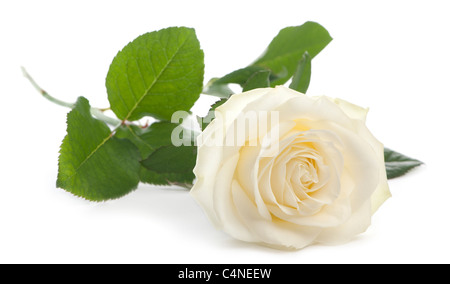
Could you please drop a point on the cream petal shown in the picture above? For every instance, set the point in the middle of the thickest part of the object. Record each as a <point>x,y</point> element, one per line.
<point>274,233</point>
<point>357,223</point>
<point>352,110</point>
<point>224,203</point>
<point>382,192</point>
<point>277,181</point>
<point>254,101</point>
<point>247,169</point>
<point>236,104</point>
<point>362,164</point>
<point>318,110</point>
<point>321,183</point>
<point>207,165</point>
<point>247,176</point>
<point>329,214</point>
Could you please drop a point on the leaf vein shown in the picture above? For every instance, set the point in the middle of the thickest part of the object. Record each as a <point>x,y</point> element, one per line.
<point>156,79</point>
<point>89,156</point>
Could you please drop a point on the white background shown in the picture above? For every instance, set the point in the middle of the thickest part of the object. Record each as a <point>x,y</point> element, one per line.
<point>390,56</point>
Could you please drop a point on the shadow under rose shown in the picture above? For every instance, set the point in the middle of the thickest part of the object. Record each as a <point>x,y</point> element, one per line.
<point>175,209</point>
<point>171,207</point>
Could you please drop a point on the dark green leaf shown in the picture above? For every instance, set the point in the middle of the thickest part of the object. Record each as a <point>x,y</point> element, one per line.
<point>288,47</point>
<point>93,163</point>
<point>204,121</point>
<point>148,140</point>
<point>134,134</point>
<point>219,87</point>
<point>302,75</point>
<point>155,178</point>
<point>240,76</point>
<point>156,74</point>
<point>173,160</point>
<point>259,79</point>
<point>248,78</point>
<point>398,164</point>
<point>218,104</point>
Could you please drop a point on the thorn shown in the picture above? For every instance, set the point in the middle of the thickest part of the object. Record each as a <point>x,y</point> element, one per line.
<point>147,123</point>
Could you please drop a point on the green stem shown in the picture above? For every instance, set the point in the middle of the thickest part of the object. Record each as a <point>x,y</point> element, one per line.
<point>44,93</point>
<point>96,112</point>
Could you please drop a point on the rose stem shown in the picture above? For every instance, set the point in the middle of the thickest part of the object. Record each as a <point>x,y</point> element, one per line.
<point>98,113</point>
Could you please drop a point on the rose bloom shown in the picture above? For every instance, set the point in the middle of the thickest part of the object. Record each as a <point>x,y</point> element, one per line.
<point>313,173</point>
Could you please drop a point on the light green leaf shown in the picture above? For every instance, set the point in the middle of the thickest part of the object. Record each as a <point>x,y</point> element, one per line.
<point>260,79</point>
<point>288,47</point>
<point>94,164</point>
<point>302,75</point>
<point>218,90</point>
<point>398,164</point>
<point>156,74</point>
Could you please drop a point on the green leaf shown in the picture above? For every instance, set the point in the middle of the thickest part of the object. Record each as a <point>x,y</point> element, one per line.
<point>217,104</point>
<point>152,139</point>
<point>240,76</point>
<point>283,54</point>
<point>148,139</point>
<point>134,134</point>
<point>218,90</point>
<point>398,164</point>
<point>302,75</point>
<point>93,163</point>
<point>204,121</point>
<point>219,86</point>
<point>260,79</point>
<point>288,47</point>
<point>155,178</point>
<point>156,74</point>
<point>173,160</point>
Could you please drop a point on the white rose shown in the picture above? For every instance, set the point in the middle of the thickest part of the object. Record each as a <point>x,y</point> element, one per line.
<point>320,184</point>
